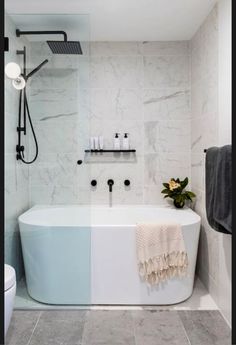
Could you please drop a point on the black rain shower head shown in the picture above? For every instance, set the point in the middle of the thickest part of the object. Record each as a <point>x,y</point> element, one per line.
<point>65,47</point>
<point>57,47</point>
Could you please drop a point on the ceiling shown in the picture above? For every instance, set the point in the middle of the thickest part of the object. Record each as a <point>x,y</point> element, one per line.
<point>126,20</point>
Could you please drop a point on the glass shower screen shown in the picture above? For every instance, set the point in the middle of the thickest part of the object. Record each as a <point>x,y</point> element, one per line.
<point>58,99</point>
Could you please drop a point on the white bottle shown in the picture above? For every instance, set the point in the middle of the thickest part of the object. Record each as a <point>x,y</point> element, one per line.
<point>125,144</point>
<point>117,142</point>
<point>96,143</point>
<point>91,143</point>
<point>100,141</point>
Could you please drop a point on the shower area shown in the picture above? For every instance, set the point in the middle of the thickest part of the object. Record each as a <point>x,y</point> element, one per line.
<point>46,121</point>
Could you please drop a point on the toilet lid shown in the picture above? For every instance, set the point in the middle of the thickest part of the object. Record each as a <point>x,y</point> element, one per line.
<point>9,277</point>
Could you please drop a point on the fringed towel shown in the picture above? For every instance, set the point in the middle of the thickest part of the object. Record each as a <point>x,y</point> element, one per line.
<point>161,252</point>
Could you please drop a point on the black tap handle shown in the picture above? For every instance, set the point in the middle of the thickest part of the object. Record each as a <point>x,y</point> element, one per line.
<point>110,184</point>
<point>93,183</point>
<point>127,182</point>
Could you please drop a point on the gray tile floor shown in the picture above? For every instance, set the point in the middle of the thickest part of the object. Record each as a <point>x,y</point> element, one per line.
<point>99,327</point>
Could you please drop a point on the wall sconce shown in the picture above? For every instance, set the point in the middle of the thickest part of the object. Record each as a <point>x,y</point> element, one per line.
<point>13,71</point>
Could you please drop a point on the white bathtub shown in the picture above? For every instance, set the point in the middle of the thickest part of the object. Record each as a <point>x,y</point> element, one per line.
<point>87,255</point>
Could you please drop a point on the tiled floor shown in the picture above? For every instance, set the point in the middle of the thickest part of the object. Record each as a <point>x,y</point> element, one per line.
<point>113,327</point>
<point>200,300</point>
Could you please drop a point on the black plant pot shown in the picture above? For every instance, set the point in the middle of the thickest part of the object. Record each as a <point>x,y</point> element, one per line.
<point>179,204</point>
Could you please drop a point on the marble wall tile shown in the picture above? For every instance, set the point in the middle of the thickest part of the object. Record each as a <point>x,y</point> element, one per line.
<point>61,172</point>
<point>161,167</point>
<point>166,136</point>
<point>166,104</point>
<point>115,100</point>
<point>204,134</point>
<point>47,104</point>
<point>116,104</point>
<point>51,195</point>
<point>165,48</point>
<point>117,71</point>
<point>204,97</point>
<point>56,137</point>
<point>152,195</point>
<point>197,170</point>
<point>49,78</point>
<point>166,71</point>
<point>115,48</point>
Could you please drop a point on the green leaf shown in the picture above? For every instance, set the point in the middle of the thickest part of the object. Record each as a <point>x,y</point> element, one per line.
<point>191,194</point>
<point>166,185</point>
<point>188,197</point>
<point>184,182</point>
<point>166,196</point>
<point>165,191</point>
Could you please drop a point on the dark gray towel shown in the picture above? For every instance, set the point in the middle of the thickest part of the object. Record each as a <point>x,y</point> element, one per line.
<point>219,188</point>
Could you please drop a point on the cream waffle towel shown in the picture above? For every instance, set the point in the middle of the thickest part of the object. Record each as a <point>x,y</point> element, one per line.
<point>161,251</point>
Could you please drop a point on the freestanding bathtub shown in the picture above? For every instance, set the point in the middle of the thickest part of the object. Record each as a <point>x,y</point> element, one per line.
<point>87,254</point>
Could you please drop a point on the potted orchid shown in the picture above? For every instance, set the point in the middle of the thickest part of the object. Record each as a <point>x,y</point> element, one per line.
<point>175,189</point>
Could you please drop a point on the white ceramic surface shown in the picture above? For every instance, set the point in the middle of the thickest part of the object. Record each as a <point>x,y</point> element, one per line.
<point>112,262</point>
<point>9,294</point>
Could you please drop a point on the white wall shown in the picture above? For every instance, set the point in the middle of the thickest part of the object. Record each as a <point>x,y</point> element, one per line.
<point>211,122</point>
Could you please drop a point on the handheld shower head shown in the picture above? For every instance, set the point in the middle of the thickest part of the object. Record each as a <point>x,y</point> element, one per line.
<point>36,69</point>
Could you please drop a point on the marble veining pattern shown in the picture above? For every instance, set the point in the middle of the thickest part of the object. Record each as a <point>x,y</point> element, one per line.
<point>137,87</point>
<point>204,134</point>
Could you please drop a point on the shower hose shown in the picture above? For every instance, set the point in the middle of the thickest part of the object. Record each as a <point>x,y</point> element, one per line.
<point>32,128</point>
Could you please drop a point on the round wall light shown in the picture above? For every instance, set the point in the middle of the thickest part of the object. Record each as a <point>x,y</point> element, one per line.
<point>12,70</point>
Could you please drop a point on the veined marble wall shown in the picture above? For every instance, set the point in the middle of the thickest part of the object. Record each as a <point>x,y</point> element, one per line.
<point>61,126</point>
<point>16,173</point>
<point>214,248</point>
<point>137,87</point>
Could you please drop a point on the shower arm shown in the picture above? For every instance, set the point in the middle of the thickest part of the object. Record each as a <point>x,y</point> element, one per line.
<point>19,33</point>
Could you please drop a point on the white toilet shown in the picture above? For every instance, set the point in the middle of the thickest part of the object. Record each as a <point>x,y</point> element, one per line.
<point>9,293</point>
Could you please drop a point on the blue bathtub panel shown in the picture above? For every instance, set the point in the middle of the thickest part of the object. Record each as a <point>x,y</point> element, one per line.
<point>57,263</point>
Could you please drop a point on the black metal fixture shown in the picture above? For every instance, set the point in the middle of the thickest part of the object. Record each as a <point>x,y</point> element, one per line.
<point>93,183</point>
<point>57,47</point>
<point>110,183</point>
<point>23,104</point>
<point>205,150</point>
<point>79,162</point>
<point>126,182</point>
<point>101,151</point>
<point>6,44</point>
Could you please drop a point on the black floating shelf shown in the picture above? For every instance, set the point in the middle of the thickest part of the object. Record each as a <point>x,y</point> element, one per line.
<point>101,151</point>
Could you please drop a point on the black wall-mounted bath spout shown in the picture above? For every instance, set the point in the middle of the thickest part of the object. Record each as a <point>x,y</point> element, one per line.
<point>110,184</point>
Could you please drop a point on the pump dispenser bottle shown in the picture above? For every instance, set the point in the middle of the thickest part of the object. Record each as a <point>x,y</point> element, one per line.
<point>125,144</point>
<point>117,142</point>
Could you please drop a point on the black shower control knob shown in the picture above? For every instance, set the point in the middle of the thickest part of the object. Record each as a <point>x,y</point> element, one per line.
<point>127,182</point>
<point>93,183</point>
